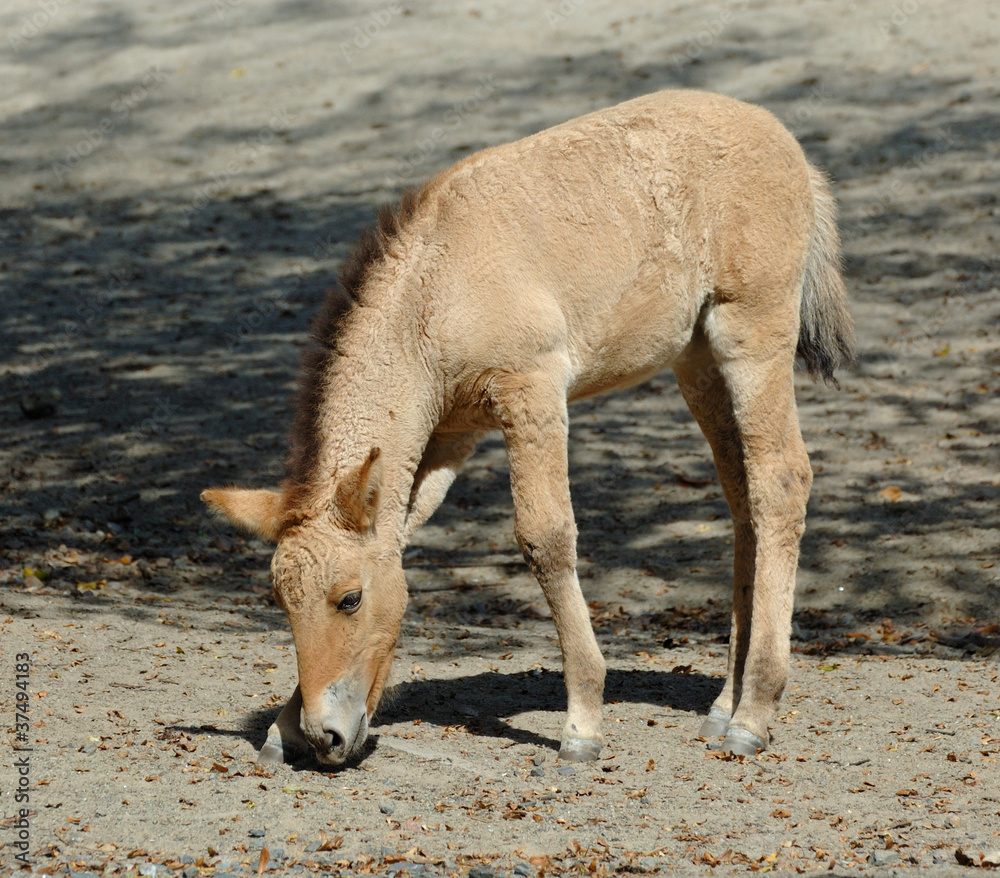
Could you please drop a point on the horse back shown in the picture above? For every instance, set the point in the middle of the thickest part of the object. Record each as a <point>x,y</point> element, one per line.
<point>602,240</point>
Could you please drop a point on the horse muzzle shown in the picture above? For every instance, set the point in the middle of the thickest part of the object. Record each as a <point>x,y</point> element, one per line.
<point>338,731</point>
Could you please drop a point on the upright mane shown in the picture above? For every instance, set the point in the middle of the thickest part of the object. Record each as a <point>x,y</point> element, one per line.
<point>373,245</point>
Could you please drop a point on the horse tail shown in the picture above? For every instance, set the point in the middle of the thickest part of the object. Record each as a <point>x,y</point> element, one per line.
<point>826,328</point>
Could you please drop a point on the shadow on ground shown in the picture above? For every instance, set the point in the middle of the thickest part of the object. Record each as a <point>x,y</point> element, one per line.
<point>172,327</point>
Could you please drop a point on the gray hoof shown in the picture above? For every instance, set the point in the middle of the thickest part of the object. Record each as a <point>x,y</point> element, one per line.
<point>715,724</point>
<point>742,743</point>
<point>579,750</point>
<point>274,751</point>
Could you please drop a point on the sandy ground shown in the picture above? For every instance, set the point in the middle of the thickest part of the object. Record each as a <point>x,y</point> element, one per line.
<point>178,183</point>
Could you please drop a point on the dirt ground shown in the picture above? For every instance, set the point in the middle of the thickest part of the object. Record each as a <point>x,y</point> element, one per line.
<point>179,183</point>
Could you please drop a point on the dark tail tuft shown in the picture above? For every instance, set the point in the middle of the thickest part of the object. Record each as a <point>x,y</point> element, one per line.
<point>826,333</point>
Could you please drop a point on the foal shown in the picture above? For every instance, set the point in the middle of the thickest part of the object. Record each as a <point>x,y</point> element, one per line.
<point>682,230</point>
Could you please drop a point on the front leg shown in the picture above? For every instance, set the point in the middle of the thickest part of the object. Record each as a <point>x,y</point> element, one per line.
<point>285,740</point>
<point>532,413</point>
<point>443,458</point>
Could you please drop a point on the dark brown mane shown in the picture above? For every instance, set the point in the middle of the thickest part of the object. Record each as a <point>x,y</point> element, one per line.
<point>373,245</point>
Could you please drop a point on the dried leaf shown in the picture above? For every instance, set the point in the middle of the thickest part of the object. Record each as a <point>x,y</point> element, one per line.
<point>329,844</point>
<point>892,493</point>
<point>964,859</point>
<point>265,855</point>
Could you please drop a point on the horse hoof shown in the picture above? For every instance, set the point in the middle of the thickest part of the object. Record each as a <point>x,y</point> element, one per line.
<point>275,751</point>
<point>715,724</point>
<point>740,742</point>
<point>579,750</point>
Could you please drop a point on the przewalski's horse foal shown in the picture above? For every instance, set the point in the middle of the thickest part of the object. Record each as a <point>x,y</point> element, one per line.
<point>680,229</point>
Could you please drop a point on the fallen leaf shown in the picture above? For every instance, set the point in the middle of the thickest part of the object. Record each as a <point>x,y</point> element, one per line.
<point>265,855</point>
<point>329,844</point>
<point>892,493</point>
<point>964,859</point>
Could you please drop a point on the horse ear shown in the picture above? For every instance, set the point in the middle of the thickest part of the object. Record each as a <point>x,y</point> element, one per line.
<point>356,497</point>
<point>256,511</point>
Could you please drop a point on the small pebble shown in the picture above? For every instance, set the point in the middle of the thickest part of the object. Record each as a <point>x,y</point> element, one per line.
<point>190,872</point>
<point>257,833</point>
<point>40,404</point>
<point>522,870</point>
<point>186,859</point>
<point>385,808</point>
<point>151,869</point>
<point>88,748</point>
<point>649,863</point>
<point>565,769</point>
<point>536,772</point>
<point>882,857</point>
<point>481,872</point>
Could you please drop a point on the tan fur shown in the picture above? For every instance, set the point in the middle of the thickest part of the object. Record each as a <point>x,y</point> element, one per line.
<point>681,230</point>
<point>256,511</point>
<point>356,497</point>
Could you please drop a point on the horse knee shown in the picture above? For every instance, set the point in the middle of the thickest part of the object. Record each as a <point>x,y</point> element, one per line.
<point>548,548</point>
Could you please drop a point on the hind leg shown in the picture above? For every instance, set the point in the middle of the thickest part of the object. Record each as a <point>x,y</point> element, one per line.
<point>704,389</point>
<point>763,464</point>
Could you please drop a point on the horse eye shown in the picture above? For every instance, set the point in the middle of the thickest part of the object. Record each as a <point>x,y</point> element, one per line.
<point>350,602</point>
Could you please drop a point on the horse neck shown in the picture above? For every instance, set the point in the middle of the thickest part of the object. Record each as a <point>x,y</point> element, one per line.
<point>376,394</point>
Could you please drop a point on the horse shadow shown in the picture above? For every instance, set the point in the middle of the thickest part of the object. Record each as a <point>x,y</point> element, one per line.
<point>484,704</point>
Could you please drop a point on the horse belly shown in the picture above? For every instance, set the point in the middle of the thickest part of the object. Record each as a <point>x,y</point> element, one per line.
<point>643,335</point>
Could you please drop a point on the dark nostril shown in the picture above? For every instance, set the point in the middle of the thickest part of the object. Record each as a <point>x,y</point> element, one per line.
<point>334,740</point>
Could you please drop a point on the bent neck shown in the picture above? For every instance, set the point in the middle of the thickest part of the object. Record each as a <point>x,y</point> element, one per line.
<point>373,392</point>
